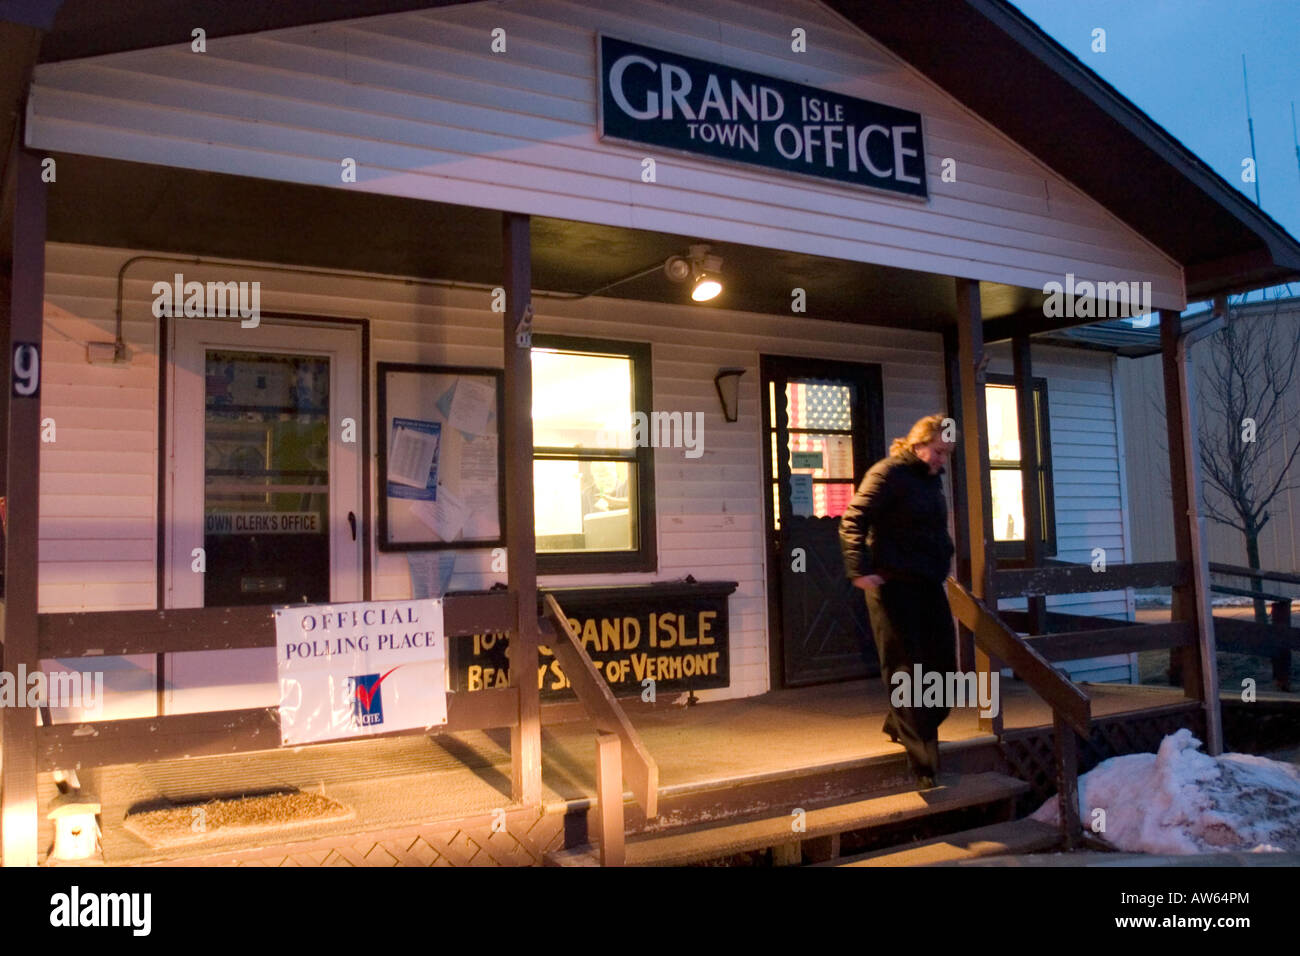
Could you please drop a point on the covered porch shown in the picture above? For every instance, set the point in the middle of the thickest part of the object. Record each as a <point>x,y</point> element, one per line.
<point>539,261</point>
<point>958,277</point>
<point>435,798</point>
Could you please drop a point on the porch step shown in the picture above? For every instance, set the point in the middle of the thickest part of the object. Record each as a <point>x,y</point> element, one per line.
<point>695,844</point>
<point>998,839</point>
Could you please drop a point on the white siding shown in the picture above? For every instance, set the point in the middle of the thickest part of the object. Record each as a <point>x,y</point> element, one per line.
<point>99,479</point>
<point>98,520</point>
<point>427,111</point>
<point>1086,475</point>
<point>99,476</point>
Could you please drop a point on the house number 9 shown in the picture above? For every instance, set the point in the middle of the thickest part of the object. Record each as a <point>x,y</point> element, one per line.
<point>27,370</point>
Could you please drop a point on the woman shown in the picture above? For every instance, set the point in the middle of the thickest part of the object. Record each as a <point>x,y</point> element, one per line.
<point>894,535</point>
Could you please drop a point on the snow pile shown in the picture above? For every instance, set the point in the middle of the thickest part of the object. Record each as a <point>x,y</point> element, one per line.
<point>1182,801</point>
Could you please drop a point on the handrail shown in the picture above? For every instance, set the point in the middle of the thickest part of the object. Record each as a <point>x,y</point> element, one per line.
<point>1082,578</point>
<point>1245,592</point>
<point>1235,570</point>
<point>1071,708</point>
<point>173,630</point>
<point>1001,642</point>
<point>594,693</point>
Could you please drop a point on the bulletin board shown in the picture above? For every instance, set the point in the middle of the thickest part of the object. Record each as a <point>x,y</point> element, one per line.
<point>441,459</point>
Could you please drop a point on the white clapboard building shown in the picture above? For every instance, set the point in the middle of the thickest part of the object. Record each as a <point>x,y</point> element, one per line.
<point>283,258</point>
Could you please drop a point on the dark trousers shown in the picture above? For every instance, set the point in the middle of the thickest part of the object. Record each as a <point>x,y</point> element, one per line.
<point>912,624</point>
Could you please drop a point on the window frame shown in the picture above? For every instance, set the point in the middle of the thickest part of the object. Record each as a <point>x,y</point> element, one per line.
<point>1015,550</point>
<point>645,556</point>
<point>183,345</point>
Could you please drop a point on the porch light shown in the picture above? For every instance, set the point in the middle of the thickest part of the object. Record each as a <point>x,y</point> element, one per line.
<point>698,265</point>
<point>76,832</point>
<point>706,288</point>
<point>727,382</point>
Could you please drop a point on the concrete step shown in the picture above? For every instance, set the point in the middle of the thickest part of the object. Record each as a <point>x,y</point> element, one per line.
<point>998,839</point>
<point>693,844</point>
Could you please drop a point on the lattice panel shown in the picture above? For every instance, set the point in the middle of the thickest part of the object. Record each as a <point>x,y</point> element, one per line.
<point>1032,755</point>
<point>1033,760</point>
<point>526,838</point>
<point>1261,725</point>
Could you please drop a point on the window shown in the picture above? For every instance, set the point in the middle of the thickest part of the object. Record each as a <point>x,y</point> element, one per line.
<point>593,482</point>
<point>820,447</point>
<point>1004,467</point>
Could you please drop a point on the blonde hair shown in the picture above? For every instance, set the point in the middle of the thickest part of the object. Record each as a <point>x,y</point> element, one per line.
<point>925,430</point>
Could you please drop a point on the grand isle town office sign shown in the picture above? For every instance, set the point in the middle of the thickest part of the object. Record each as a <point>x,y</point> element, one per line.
<point>681,103</point>
<point>675,635</point>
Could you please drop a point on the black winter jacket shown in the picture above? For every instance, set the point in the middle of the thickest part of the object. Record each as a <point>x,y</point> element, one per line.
<point>897,523</point>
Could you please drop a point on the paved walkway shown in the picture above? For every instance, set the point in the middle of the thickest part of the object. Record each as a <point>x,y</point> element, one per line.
<point>1091,859</point>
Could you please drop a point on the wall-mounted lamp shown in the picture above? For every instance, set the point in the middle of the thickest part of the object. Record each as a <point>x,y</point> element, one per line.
<point>702,268</point>
<point>727,382</point>
<point>76,831</point>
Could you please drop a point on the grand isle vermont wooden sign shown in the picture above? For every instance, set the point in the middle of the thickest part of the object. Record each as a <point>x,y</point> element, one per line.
<point>676,102</point>
<point>676,635</point>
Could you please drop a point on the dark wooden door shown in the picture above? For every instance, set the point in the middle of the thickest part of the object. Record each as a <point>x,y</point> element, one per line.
<point>823,428</point>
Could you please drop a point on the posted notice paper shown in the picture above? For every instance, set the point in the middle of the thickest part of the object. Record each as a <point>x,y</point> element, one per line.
<point>446,515</point>
<point>413,459</point>
<point>472,405</point>
<point>801,495</point>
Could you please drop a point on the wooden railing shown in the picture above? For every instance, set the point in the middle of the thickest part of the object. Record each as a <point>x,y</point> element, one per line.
<point>85,744</point>
<point>1275,640</point>
<point>619,750</point>
<point>1060,578</point>
<point>1074,636</point>
<point>1071,708</point>
<point>1070,637</point>
<point>142,739</point>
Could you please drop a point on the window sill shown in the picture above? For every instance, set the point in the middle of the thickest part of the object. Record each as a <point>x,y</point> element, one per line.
<point>599,562</point>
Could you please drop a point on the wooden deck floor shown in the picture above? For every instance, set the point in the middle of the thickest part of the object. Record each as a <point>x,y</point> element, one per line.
<point>397,782</point>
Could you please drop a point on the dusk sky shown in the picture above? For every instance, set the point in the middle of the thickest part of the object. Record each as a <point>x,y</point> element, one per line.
<point>1180,62</point>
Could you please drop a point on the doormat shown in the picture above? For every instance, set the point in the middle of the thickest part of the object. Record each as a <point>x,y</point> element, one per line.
<point>223,819</point>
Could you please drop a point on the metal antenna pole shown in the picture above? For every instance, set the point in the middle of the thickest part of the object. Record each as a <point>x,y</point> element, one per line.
<point>1250,125</point>
<point>1294,138</point>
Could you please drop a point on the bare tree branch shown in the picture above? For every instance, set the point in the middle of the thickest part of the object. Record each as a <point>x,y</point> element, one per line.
<point>1246,411</point>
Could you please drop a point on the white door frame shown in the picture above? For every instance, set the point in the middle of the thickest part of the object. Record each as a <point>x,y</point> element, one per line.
<point>184,499</point>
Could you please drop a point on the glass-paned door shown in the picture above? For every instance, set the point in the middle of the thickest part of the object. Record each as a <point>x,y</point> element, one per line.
<point>823,430</point>
<point>264,487</point>
<point>265,465</point>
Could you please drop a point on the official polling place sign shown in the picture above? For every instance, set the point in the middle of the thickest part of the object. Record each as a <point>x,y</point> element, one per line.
<point>652,97</point>
<point>352,670</point>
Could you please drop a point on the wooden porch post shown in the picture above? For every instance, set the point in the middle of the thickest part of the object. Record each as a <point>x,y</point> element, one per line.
<point>1191,603</point>
<point>975,459</point>
<point>960,531</point>
<point>22,489</point>
<point>521,545</point>
<point>1025,419</point>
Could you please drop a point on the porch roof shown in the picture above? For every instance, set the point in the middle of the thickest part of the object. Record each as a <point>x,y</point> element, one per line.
<point>1129,340</point>
<point>188,212</point>
<point>1026,83</point>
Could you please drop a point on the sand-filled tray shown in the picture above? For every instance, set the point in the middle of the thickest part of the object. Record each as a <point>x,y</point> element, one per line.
<point>225,818</point>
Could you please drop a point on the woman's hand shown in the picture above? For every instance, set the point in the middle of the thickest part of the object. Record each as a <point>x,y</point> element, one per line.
<point>868,582</point>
